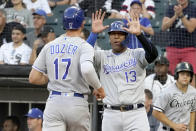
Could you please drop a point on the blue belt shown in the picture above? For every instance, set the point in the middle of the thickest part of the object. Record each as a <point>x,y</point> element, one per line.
<point>67,94</point>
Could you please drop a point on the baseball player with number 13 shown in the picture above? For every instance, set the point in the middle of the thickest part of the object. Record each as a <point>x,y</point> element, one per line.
<point>122,72</point>
<point>68,62</point>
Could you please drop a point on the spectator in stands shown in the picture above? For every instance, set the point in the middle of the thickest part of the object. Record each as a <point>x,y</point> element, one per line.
<point>39,20</point>
<point>16,52</point>
<point>6,4</point>
<point>160,79</point>
<point>112,8</point>
<point>34,119</point>
<point>19,14</point>
<point>90,6</point>
<point>54,3</point>
<point>34,5</point>
<point>109,6</point>
<point>180,19</point>
<point>47,34</point>
<point>148,9</point>
<point>146,27</point>
<point>11,123</point>
<point>5,32</point>
<point>154,124</point>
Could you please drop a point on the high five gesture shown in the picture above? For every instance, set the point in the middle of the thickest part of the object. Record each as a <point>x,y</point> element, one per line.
<point>133,25</point>
<point>97,22</point>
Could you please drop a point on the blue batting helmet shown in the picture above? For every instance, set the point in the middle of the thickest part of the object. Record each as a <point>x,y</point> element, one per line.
<point>73,18</point>
<point>117,26</point>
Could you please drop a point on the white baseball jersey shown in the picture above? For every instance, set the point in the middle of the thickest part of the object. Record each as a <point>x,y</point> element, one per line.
<point>61,59</point>
<point>155,86</point>
<point>149,4</point>
<point>122,75</point>
<point>175,104</point>
<point>15,56</point>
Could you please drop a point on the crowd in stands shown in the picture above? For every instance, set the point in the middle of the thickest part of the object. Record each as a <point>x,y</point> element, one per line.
<point>34,14</point>
<point>19,47</point>
<point>19,13</point>
<point>30,14</point>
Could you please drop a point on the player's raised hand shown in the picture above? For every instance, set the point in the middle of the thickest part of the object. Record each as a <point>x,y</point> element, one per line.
<point>99,93</point>
<point>133,25</point>
<point>97,22</point>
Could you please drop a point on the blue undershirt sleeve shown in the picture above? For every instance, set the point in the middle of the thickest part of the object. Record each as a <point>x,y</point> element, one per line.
<point>92,38</point>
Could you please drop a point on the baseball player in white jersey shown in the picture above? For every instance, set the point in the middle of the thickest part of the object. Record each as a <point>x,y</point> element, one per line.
<point>68,63</point>
<point>122,72</point>
<point>160,79</point>
<point>176,105</point>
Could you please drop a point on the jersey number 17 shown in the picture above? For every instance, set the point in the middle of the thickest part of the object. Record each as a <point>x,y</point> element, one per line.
<point>63,61</point>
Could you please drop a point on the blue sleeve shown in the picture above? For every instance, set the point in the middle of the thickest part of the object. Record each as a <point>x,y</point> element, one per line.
<point>125,21</point>
<point>146,22</point>
<point>92,39</point>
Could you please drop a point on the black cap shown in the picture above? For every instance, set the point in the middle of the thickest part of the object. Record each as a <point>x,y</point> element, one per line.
<point>162,60</point>
<point>20,27</point>
<point>45,30</point>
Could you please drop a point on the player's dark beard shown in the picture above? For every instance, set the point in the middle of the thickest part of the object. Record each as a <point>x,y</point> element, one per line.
<point>161,78</point>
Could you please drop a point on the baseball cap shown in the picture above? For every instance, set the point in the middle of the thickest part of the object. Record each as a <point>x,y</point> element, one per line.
<point>18,26</point>
<point>136,2</point>
<point>162,60</point>
<point>45,30</point>
<point>35,113</point>
<point>40,12</point>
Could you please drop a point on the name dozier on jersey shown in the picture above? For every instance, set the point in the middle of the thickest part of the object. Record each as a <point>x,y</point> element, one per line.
<point>63,48</point>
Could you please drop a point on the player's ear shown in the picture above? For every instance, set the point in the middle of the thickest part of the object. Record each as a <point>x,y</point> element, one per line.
<point>24,37</point>
<point>84,21</point>
<point>83,24</point>
<point>40,121</point>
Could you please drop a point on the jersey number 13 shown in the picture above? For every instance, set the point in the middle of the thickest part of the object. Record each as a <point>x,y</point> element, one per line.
<point>130,76</point>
